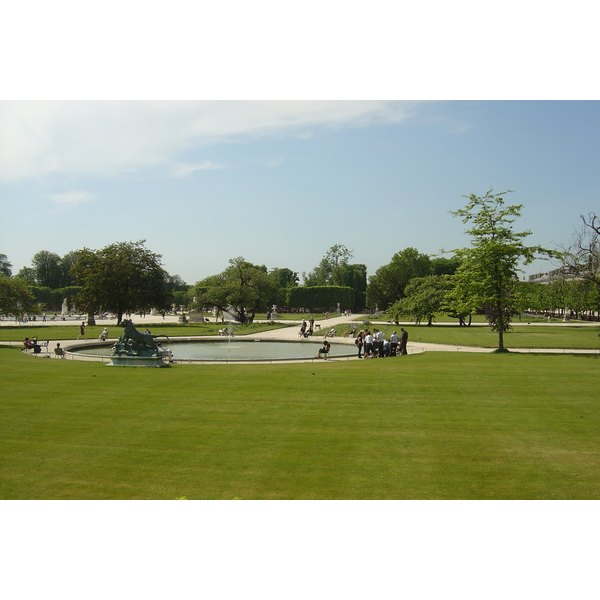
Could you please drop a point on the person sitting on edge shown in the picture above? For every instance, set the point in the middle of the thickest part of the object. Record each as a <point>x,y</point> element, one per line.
<point>324,350</point>
<point>59,351</point>
<point>33,345</point>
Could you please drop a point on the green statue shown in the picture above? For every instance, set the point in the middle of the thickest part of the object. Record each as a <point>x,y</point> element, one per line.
<point>134,342</point>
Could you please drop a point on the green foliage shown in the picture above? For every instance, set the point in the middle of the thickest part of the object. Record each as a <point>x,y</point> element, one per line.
<point>48,269</point>
<point>487,275</point>
<point>121,277</point>
<point>425,296</point>
<point>558,297</point>
<point>16,298</point>
<point>49,299</point>
<point>5,266</point>
<point>389,282</point>
<point>67,262</point>
<point>330,270</point>
<point>27,274</point>
<point>440,265</point>
<point>324,298</point>
<point>242,287</point>
<point>284,278</point>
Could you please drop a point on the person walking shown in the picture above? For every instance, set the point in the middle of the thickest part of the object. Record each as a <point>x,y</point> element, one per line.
<point>81,331</point>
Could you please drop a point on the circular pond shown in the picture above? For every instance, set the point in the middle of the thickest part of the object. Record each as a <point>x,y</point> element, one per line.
<point>235,349</point>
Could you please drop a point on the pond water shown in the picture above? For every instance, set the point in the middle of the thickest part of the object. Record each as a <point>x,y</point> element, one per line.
<point>234,349</point>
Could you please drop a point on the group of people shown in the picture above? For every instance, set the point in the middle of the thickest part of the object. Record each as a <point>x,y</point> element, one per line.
<point>306,329</point>
<point>374,345</point>
<point>32,345</point>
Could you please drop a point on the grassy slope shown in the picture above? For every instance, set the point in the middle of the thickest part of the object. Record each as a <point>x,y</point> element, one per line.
<point>427,426</point>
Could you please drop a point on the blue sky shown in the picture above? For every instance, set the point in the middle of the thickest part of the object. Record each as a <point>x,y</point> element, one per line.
<point>280,182</point>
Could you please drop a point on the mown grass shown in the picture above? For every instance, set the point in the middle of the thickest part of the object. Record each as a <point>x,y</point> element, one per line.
<point>431,426</point>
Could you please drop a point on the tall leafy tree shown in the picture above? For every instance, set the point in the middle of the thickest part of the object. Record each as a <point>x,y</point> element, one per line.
<point>242,287</point>
<point>284,277</point>
<point>330,270</point>
<point>48,269</point>
<point>5,266</point>
<point>26,273</point>
<point>121,277</point>
<point>425,296</point>
<point>67,262</point>
<point>16,297</point>
<point>389,281</point>
<point>487,275</point>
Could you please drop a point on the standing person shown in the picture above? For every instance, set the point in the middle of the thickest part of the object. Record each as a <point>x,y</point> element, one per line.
<point>379,343</point>
<point>81,331</point>
<point>302,328</point>
<point>394,339</point>
<point>403,341</point>
<point>359,341</point>
<point>368,345</point>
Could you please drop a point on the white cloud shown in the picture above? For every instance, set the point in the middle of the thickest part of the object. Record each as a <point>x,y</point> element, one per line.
<point>181,170</point>
<point>70,199</point>
<point>43,137</point>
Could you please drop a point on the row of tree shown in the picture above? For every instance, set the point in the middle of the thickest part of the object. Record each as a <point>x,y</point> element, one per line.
<point>427,297</point>
<point>486,278</point>
<point>121,277</point>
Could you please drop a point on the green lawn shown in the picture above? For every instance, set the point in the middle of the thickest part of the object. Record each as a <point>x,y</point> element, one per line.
<point>430,426</point>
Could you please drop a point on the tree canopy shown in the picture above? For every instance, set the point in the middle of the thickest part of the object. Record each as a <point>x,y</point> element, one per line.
<point>16,298</point>
<point>242,288</point>
<point>5,266</point>
<point>48,269</point>
<point>330,270</point>
<point>121,277</point>
<point>389,281</point>
<point>425,296</point>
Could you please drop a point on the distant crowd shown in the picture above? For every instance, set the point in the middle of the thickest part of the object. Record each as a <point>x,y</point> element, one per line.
<point>374,345</point>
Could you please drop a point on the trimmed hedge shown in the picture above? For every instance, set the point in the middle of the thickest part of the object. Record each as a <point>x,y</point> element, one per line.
<point>320,298</point>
